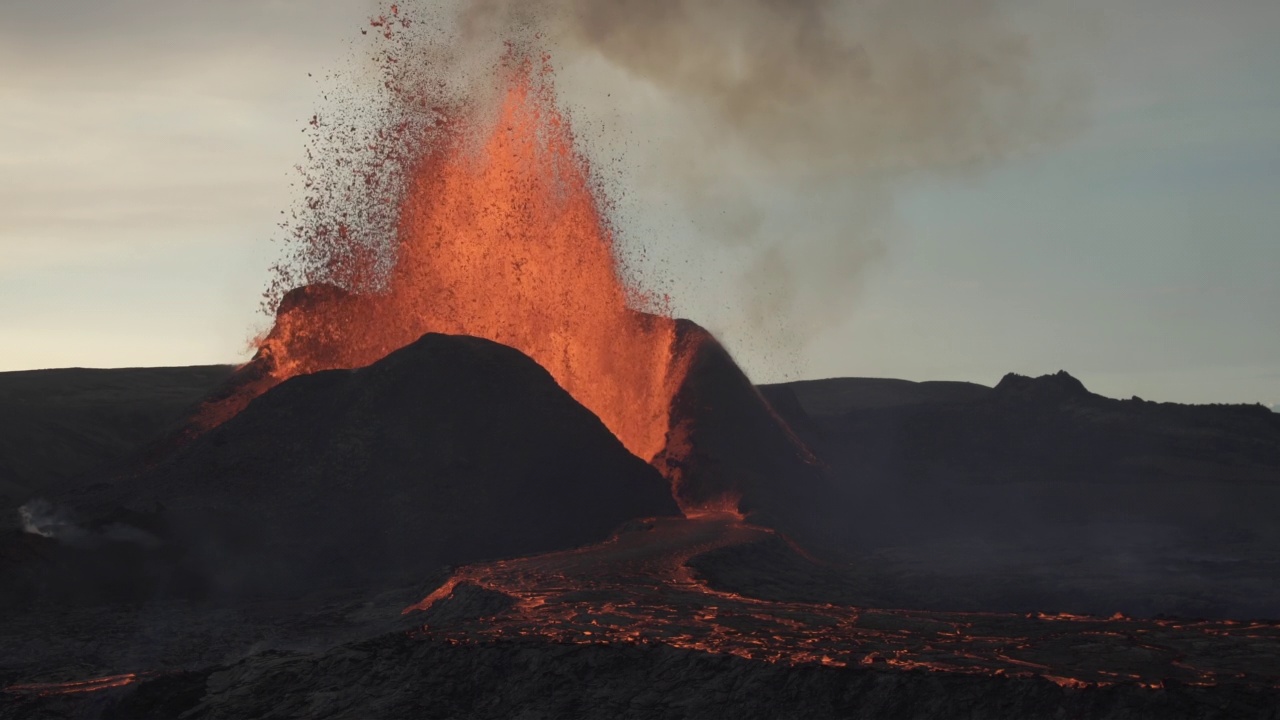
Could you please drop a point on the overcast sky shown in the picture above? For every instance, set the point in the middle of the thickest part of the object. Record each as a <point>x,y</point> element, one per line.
<point>146,151</point>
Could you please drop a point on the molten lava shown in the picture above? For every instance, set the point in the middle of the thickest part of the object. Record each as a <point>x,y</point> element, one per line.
<point>74,687</point>
<point>637,587</point>
<point>500,235</point>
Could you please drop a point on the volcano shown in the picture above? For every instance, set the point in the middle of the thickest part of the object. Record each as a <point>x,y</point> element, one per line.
<point>500,233</point>
<point>473,469</point>
<point>724,450</point>
<point>342,421</point>
<point>447,451</point>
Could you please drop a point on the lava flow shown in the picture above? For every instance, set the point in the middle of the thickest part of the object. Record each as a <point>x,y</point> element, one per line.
<point>638,588</point>
<point>500,235</point>
<point>75,687</point>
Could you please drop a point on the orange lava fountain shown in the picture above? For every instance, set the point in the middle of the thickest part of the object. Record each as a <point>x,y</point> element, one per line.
<point>500,235</point>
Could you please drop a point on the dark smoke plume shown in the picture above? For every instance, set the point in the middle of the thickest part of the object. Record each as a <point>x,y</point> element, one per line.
<point>782,127</point>
<point>816,87</point>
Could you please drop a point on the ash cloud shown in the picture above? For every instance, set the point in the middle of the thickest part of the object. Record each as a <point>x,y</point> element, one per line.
<point>817,87</point>
<point>826,106</point>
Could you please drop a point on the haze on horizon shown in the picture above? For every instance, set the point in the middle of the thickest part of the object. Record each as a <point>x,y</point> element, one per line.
<point>148,150</point>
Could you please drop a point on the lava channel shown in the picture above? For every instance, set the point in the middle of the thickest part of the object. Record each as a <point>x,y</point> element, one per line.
<point>637,587</point>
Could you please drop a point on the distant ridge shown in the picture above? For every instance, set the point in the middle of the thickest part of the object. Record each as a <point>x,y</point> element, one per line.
<point>1079,501</point>
<point>58,424</point>
<point>837,396</point>
<point>834,396</point>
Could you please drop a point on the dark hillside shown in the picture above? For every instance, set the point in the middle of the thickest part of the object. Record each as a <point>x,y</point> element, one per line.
<point>56,424</point>
<point>1038,493</point>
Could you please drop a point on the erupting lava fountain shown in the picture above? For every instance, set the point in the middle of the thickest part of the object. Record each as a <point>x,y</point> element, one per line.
<point>499,233</point>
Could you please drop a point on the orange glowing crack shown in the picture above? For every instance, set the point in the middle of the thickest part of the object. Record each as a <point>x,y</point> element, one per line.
<point>74,687</point>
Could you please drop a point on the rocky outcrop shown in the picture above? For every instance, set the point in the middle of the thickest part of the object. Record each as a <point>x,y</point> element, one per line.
<point>729,449</point>
<point>836,396</point>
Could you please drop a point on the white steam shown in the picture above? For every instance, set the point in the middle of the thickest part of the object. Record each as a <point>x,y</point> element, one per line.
<point>40,517</point>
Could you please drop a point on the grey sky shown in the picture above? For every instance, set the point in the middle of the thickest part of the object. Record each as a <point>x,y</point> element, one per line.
<point>146,152</point>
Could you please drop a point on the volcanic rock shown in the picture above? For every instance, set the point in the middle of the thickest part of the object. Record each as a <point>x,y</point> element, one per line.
<point>1059,386</point>
<point>467,601</point>
<point>729,449</point>
<point>399,676</point>
<point>450,450</point>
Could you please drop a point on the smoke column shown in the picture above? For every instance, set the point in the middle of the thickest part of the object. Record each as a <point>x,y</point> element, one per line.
<point>778,130</point>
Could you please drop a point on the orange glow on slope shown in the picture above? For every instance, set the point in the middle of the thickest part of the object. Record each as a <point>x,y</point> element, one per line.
<point>501,236</point>
<point>74,687</point>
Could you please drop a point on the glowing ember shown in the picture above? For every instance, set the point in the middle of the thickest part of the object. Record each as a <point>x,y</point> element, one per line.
<point>500,235</point>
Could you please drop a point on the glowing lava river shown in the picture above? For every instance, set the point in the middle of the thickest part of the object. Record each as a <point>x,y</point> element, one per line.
<point>637,588</point>
<point>77,687</point>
